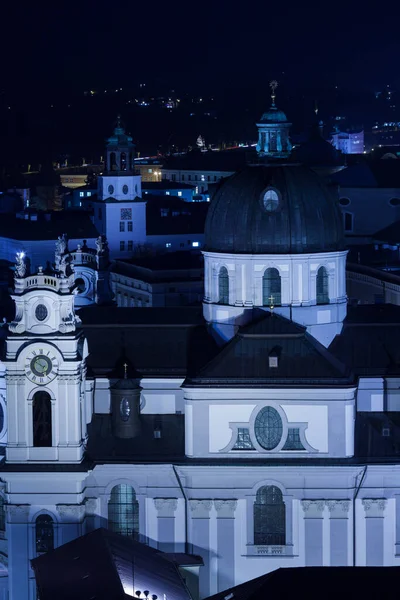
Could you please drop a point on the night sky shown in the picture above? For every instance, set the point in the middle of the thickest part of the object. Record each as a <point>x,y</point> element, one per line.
<point>72,46</point>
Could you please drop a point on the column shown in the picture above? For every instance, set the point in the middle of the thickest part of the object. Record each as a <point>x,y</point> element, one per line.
<point>18,550</point>
<point>374,514</point>
<point>225,543</point>
<point>71,516</point>
<point>339,542</point>
<point>200,540</point>
<point>397,547</point>
<point>237,293</point>
<point>166,508</point>
<point>313,517</point>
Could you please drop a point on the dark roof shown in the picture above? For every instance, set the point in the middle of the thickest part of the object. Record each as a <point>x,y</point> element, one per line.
<point>368,343</point>
<point>166,184</point>
<point>307,219</point>
<point>310,583</point>
<point>103,446</point>
<point>162,268</point>
<point>99,565</point>
<point>245,360</point>
<point>228,161</point>
<point>374,173</point>
<point>389,234</point>
<point>377,434</point>
<point>158,342</point>
<point>316,151</point>
<point>76,224</point>
<point>183,217</point>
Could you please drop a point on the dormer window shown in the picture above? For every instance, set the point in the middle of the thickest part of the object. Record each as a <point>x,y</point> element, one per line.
<point>273,362</point>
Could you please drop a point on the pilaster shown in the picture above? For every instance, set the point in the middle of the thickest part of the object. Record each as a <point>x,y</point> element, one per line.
<point>166,508</point>
<point>374,514</point>
<point>313,516</point>
<point>339,541</point>
<point>200,539</point>
<point>225,510</point>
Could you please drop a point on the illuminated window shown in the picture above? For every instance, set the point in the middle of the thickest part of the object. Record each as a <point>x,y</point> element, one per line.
<point>271,283</point>
<point>168,245</point>
<point>123,511</point>
<point>269,517</point>
<point>203,178</point>
<point>167,193</point>
<point>88,193</point>
<point>223,286</point>
<point>271,200</point>
<point>149,170</point>
<point>179,193</point>
<point>322,286</point>
<point>81,194</point>
<point>44,526</point>
<point>268,428</point>
<point>195,244</point>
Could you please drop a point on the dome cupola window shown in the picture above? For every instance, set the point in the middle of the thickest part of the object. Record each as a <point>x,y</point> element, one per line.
<point>322,286</point>
<point>271,283</point>
<point>271,200</point>
<point>223,286</point>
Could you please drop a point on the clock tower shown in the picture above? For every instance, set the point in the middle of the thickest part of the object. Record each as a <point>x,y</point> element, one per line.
<point>45,370</point>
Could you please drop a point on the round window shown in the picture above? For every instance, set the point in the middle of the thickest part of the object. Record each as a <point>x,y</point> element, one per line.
<point>344,201</point>
<point>125,189</point>
<point>394,202</point>
<point>41,312</point>
<point>270,201</point>
<point>124,409</point>
<point>110,189</point>
<point>268,428</point>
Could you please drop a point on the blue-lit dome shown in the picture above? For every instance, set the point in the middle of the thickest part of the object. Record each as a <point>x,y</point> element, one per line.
<point>273,115</point>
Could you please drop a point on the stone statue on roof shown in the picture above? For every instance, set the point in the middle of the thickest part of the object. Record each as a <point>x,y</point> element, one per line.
<point>20,265</point>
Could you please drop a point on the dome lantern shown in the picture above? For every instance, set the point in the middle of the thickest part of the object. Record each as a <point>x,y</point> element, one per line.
<point>273,131</point>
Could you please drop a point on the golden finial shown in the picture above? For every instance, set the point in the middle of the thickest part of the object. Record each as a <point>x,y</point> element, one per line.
<point>273,85</point>
<point>125,370</point>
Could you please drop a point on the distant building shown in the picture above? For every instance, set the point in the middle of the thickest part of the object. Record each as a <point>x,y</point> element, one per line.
<point>174,279</point>
<point>149,169</point>
<point>349,142</point>
<point>170,188</point>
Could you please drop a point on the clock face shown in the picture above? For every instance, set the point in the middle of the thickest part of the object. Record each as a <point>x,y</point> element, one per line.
<point>41,366</point>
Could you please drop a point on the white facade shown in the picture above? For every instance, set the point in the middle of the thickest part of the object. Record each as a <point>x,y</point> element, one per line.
<point>298,281</point>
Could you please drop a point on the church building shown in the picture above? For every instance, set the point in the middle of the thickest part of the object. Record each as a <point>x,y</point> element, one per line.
<point>259,431</point>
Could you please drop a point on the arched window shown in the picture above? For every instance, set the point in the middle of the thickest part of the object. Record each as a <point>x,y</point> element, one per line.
<point>269,517</point>
<point>271,288</point>
<point>322,286</point>
<point>123,511</point>
<point>44,534</point>
<point>123,161</point>
<point>42,430</point>
<point>223,285</point>
<point>112,162</point>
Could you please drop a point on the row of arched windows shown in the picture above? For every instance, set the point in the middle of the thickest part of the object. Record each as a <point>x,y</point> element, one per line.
<point>123,517</point>
<point>272,287</point>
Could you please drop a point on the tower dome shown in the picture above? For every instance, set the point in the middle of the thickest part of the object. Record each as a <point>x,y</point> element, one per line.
<point>274,209</point>
<point>273,131</point>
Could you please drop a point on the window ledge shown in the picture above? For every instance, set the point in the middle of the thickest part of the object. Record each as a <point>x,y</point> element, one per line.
<point>273,550</point>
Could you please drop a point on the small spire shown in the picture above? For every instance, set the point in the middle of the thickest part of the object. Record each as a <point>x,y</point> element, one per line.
<point>125,370</point>
<point>273,85</point>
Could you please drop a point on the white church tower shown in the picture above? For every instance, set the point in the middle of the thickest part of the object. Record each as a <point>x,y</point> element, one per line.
<point>45,371</point>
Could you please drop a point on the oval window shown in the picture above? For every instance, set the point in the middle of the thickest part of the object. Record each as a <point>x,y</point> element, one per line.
<point>268,428</point>
<point>394,202</point>
<point>124,409</point>
<point>344,201</point>
<point>110,189</point>
<point>41,312</point>
<point>125,189</point>
<point>271,200</point>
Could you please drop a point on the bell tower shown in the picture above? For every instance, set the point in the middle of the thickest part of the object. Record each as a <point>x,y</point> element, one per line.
<point>273,131</point>
<point>119,180</point>
<point>45,370</point>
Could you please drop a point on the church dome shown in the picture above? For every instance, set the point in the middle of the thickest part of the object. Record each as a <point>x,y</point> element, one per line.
<point>274,209</point>
<point>273,115</point>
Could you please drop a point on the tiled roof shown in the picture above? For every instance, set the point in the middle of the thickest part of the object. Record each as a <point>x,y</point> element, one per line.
<point>245,360</point>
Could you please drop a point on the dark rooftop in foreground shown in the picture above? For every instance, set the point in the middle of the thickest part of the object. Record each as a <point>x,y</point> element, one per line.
<point>314,583</point>
<point>108,566</point>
